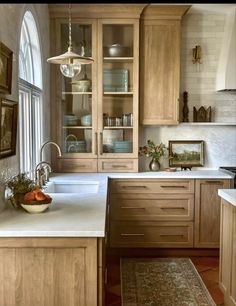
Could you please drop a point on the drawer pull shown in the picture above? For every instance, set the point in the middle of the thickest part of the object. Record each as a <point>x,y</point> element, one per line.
<point>137,186</point>
<point>175,235</point>
<point>166,186</point>
<point>132,207</point>
<point>173,208</point>
<point>132,235</point>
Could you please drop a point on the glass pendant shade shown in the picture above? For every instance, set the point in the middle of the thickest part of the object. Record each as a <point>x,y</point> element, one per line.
<point>70,62</point>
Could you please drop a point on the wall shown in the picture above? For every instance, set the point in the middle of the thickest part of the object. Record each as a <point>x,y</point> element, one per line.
<point>11,16</point>
<point>204,26</point>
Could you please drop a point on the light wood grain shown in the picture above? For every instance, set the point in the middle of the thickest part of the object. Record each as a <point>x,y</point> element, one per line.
<point>77,165</point>
<point>160,64</point>
<point>227,275</point>
<point>57,272</point>
<point>207,212</point>
<point>118,165</point>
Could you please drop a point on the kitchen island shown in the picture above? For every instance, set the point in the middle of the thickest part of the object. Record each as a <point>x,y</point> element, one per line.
<point>56,258</point>
<point>227,278</point>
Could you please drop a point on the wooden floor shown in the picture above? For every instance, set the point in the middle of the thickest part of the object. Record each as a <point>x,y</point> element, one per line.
<point>208,268</point>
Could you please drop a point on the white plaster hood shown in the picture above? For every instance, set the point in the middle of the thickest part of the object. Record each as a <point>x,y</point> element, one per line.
<point>226,73</point>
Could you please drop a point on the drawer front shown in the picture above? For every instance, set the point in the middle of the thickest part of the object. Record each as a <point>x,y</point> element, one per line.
<point>164,208</point>
<point>151,186</point>
<point>151,234</point>
<point>118,165</point>
<point>77,165</point>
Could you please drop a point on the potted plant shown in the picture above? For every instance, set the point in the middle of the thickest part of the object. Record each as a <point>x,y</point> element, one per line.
<point>155,152</point>
<point>19,185</point>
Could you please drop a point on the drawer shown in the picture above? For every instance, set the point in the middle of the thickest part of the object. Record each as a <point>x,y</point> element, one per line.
<point>151,234</point>
<point>77,165</point>
<point>151,186</point>
<point>162,208</point>
<point>118,165</point>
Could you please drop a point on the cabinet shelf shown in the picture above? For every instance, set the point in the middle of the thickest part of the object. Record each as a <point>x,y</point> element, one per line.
<point>77,93</point>
<point>76,127</point>
<point>208,123</point>
<point>118,93</point>
<point>118,59</point>
<point>117,127</point>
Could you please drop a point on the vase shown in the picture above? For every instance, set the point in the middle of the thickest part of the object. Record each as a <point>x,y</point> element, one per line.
<point>154,165</point>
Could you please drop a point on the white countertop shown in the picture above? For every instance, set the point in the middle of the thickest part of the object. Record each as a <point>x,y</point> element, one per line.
<point>228,195</point>
<point>81,215</point>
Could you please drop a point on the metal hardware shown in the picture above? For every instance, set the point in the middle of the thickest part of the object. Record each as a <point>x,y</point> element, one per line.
<point>135,186</point>
<point>101,145</point>
<point>42,171</point>
<point>96,143</point>
<point>172,208</point>
<point>132,234</point>
<point>181,235</point>
<point>173,186</point>
<point>119,166</point>
<point>132,207</point>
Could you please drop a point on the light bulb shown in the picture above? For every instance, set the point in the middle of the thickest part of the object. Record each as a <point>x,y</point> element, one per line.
<point>70,70</point>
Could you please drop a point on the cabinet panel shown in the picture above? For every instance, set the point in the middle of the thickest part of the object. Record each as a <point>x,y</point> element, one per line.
<point>118,165</point>
<point>207,212</point>
<point>77,165</point>
<point>162,208</point>
<point>151,186</point>
<point>151,234</point>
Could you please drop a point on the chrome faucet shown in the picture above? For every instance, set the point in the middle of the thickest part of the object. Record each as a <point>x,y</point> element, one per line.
<point>46,143</point>
<point>43,168</point>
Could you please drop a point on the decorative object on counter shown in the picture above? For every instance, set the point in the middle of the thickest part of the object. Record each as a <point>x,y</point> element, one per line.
<point>18,185</point>
<point>35,201</point>
<point>6,56</point>
<point>197,55</point>
<point>155,152</point>
<point>185,107</point>
<point>171,169</point>
<point>70,62</point>
<point>186,153</point>
<point>8,127</point>
<point>202,115</point>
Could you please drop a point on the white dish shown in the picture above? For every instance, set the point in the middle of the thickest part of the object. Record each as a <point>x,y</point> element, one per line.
<point>34,208</point>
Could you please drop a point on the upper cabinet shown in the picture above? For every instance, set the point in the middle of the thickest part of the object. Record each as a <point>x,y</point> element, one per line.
<point>95,114</point>
<point>160,64</point>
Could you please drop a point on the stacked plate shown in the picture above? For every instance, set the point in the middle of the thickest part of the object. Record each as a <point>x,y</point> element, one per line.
<point>125,146</point>
<point>78,146</point>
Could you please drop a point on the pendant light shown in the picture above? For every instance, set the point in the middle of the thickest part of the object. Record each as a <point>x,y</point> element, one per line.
<point>70,62</point>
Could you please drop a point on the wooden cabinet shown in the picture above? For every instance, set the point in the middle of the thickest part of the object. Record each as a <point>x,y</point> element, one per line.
<point>151,213</point>
<point>207,212</point>
<point>227,278</point>
<point>97,126</point>
<point>50,271</point>
<point>160,64</point>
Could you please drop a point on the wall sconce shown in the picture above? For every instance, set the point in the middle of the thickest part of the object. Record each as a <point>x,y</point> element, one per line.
<point>197,55</point>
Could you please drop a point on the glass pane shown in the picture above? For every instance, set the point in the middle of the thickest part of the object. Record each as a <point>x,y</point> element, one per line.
<point>117,141</point>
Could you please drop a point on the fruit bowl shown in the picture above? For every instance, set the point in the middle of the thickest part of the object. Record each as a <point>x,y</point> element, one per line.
<point>35,201</point>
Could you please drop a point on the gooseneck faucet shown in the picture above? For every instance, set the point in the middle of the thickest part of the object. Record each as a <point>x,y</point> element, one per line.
<point>43,168</point>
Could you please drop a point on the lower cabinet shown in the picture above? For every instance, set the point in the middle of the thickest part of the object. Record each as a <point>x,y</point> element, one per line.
<point>51,271</point>
<point>207,212</point>
<point>168,213</point>
<point>227,279</point>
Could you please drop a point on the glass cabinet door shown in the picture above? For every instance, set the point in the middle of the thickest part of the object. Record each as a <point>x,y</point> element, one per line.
<point>78,100</point>
<point>118,89</point>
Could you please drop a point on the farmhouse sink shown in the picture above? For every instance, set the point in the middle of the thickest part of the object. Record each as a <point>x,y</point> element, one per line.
<point>72,187</point>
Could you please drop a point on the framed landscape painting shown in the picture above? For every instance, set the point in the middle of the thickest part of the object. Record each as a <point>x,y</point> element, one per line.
<point>186,153</point>
<point>8,127</point>
<point>6,56</point>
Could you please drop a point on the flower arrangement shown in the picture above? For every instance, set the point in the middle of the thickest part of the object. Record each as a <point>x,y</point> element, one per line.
<point>153,150</point>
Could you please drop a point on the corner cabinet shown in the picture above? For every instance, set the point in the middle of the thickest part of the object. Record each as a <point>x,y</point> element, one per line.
<point>160,64</point>
<point>95,114</point>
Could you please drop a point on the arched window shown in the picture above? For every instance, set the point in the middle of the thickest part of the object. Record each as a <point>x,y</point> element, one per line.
<point>30,94</point>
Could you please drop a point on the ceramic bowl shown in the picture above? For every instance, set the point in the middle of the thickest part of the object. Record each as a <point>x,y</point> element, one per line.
<point>86,120</point>
<point>34,208</point>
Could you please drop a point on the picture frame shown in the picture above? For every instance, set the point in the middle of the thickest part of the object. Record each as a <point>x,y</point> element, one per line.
<point>6,56</point>
<point>8,127</point>
<point>186,153</point>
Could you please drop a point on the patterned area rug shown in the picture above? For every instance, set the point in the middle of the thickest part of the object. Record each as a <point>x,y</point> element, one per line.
<point>162,282</point>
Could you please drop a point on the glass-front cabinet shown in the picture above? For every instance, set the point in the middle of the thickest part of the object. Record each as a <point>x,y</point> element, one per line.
<point>95,114</point>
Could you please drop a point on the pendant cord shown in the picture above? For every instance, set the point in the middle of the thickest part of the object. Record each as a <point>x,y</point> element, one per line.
<point>70,44</point>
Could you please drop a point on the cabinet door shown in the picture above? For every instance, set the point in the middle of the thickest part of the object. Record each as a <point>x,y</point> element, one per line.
<point>74,112</point>
<point>118,51</point>
<point>207,212</point>
<point>160,64</point>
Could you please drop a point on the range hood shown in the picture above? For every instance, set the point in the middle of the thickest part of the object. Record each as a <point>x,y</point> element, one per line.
<point>226,73</point>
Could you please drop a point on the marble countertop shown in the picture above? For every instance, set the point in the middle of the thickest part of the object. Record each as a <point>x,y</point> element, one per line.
<point>228,195</point>
<point>81,214</point>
